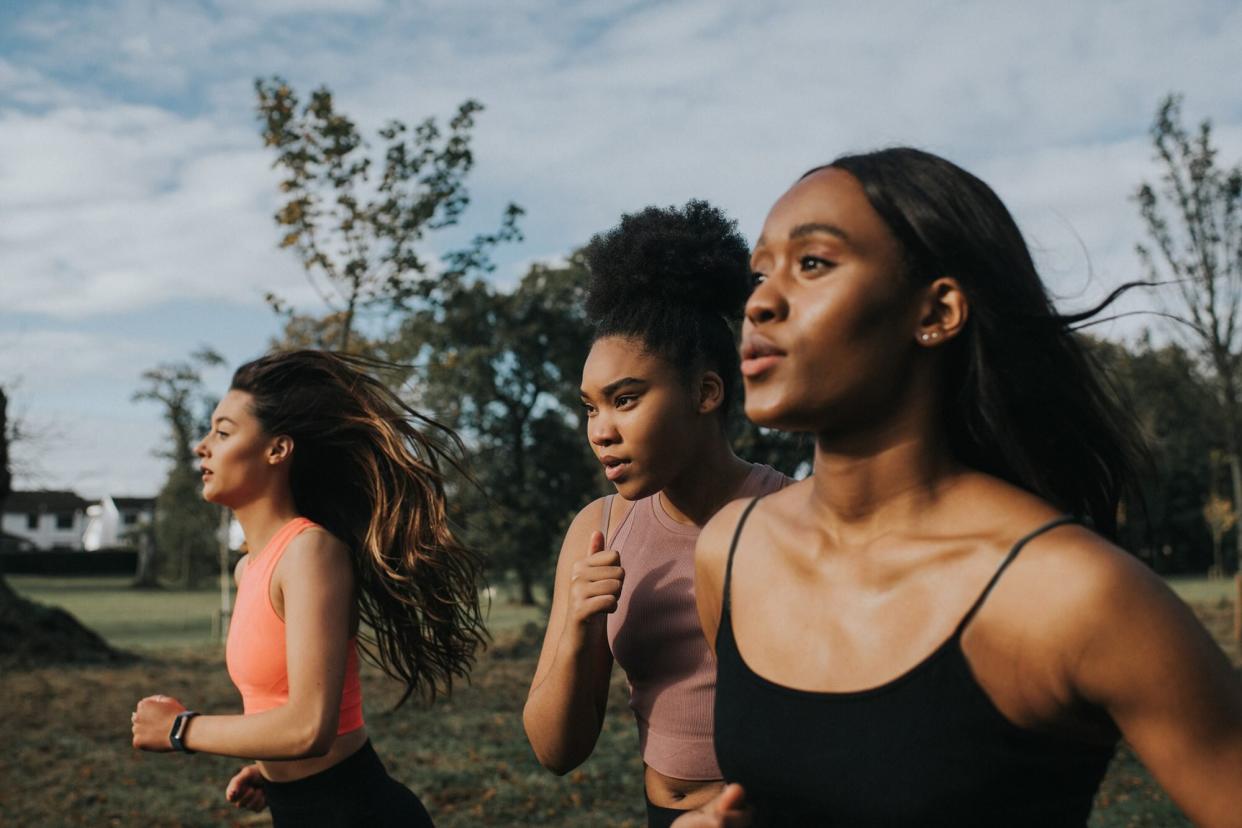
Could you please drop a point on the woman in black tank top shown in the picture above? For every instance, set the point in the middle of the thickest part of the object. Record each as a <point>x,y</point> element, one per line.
<point>920,634</point>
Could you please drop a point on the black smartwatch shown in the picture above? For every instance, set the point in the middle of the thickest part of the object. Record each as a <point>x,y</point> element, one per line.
<point>178,730</point>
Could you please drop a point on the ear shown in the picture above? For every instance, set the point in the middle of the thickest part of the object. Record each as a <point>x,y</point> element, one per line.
<point>711,392</point>
<point>279,450</point>
<point>943,313</point>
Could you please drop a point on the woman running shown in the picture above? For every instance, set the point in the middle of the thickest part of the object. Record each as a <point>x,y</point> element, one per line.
<point>935,630</point>
<point>337,484</point>
<point>657,385</point>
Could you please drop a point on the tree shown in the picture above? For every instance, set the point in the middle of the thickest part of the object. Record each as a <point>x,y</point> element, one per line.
<point>1193,217</point>
<point>502,368</point>
<point>357,239</point>
<point>185,524</point>
<point>1175,406</point>
<point>31,632</point>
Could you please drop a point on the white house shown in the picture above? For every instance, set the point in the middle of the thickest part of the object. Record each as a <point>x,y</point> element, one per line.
<point>113,520</point>
<point>47,519</point>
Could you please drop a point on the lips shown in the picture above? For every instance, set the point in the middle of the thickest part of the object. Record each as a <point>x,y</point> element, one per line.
<point>614,467</point>
<point>759,355</point>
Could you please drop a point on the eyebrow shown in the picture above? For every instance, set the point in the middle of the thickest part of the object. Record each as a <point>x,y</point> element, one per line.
<point>222,418</point>
<point>810,229</point>
<point>612,387</point>
<point>816,227</point>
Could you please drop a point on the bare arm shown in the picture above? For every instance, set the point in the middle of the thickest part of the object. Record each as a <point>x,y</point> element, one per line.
<point>564,710</point>
<point>316,582</point>
<point>1145,658</point>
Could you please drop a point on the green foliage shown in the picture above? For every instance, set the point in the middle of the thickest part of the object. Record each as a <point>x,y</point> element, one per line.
<point>1179,414</point>
<point>359,236</point>
<point>503,369</point>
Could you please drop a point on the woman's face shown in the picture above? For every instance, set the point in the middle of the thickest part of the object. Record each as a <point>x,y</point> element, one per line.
<point>829,335</point>
<point>643,421</point>
<point>236,454</point>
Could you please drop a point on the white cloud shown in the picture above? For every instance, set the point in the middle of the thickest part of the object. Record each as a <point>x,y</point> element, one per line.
<point>131,172</point>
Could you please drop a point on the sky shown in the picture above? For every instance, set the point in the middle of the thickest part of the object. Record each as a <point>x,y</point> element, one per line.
<point>136,197</point>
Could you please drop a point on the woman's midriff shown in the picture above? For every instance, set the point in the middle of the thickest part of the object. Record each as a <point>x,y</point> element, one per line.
<point>669,792</point>
<point>289,770</point>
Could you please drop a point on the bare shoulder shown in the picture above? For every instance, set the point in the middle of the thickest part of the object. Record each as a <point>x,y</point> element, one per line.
<point>1077,592</point>
<point>316,549</point>
<point>590,518</point>
<point>712,549</point>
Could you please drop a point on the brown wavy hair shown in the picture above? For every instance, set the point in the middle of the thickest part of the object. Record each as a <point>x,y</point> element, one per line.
<point>370,470</point>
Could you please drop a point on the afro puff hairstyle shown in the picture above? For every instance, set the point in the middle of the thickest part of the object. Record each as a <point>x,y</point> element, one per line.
<point>675,280</point>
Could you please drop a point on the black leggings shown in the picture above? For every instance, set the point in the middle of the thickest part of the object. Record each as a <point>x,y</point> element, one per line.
<point>658,817</point>
<point>354,793</point>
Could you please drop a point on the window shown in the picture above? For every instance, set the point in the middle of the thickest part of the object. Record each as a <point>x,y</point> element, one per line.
<point>129,518</point>
<point>32,520</point>
<point>64,520</point>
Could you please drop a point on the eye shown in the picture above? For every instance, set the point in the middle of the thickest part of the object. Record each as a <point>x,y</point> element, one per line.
<point>757,278</point>
<point>813,263</point>
<point>590,409</point>
<point>221,433</point>
<point>624,400</point>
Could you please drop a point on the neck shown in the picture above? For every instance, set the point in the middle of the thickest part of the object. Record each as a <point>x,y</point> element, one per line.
<point>879,481</point>
<point>262,517</point>
<point>710,480</point>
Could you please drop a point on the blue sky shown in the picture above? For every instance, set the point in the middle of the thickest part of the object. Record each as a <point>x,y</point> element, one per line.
<point>136,198</point>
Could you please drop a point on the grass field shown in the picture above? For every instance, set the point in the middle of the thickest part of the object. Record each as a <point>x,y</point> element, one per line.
<point>67,759</point>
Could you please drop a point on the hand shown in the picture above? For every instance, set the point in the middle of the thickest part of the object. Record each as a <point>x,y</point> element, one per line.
<point>595,583</point>
<point>245,789</point>
<point>727,810</point>
<point>152,721</point>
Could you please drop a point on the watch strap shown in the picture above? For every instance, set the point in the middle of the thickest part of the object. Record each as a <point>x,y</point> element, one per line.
<point>176,735</point>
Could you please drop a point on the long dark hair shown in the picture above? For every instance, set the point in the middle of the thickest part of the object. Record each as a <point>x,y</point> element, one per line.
<point>1023,399</point>
<point>368,468</point>
<point>676,280</point>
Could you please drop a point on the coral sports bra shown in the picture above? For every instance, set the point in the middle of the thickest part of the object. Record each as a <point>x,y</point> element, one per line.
<point>255,652</point>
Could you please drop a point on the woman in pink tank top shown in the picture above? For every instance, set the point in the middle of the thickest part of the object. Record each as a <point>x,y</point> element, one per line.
<point>657,385</point>
<point>337,485</point>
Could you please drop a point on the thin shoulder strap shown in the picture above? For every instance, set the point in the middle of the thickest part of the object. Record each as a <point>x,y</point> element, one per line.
<point>603,524</point>
<point>1000,570</point>
<point>737,533</point>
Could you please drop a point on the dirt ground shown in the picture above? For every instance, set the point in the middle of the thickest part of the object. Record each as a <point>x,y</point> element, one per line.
<point>67,760</point>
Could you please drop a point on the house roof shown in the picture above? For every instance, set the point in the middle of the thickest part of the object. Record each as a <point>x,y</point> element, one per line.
<point>134,502</point>
<point>44,501</point>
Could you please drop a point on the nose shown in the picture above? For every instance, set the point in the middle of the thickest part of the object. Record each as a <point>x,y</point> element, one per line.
<point>200,450</point>
<point>767,303</point>
<point>601,430</point>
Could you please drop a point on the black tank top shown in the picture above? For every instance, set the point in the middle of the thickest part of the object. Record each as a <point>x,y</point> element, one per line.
<point>928,748</point>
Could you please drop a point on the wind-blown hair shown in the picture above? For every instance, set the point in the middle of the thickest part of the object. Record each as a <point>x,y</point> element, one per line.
<point>1022,399</point>
<point>675,280</point>
<point>368,468</point>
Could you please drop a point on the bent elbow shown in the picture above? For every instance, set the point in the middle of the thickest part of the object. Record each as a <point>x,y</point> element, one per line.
<point>316,741</point>
<point>555,761</point>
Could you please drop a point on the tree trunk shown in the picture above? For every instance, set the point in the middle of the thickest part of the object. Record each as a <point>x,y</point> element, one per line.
<point>527,586</point>
<point>145,577</point>
<point>1235,473</point>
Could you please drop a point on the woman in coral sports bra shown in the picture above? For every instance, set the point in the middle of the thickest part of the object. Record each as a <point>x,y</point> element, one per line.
<point>337,485</point>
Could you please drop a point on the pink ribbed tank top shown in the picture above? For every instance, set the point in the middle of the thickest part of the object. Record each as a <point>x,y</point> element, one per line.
<point>656,637</point>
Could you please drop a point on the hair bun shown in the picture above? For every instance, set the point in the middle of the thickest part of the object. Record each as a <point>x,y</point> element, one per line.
<point>691,256</point>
